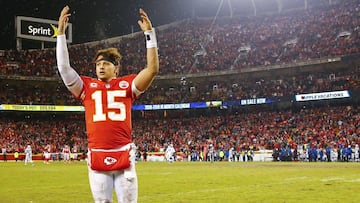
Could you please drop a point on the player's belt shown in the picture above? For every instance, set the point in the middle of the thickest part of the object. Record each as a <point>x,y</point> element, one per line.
<point>122,148</point>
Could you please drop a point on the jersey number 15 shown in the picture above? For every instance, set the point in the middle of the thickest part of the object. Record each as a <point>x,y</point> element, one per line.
<point>111,105</point>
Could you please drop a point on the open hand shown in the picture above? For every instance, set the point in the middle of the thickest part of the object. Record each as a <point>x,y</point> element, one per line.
<point>145,23</point>
<point>63,20</point>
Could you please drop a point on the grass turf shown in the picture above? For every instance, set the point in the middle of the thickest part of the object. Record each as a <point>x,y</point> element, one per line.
<point>188,182</point>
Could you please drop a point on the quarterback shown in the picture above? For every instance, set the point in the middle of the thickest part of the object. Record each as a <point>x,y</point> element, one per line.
<point>107,100</point>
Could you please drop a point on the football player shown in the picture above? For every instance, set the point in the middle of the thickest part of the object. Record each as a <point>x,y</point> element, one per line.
<point>107,100</point>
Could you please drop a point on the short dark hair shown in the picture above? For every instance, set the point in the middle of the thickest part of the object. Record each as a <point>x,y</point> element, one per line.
<point>111,54</point>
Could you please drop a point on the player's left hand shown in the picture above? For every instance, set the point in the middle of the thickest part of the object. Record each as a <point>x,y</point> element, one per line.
<point>145,23</point>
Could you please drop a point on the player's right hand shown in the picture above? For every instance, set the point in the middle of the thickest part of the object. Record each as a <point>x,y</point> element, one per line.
<point>63,20</point>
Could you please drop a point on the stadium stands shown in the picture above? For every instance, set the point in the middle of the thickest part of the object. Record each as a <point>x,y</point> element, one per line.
<point>273,56</point>
<point>198,46</point>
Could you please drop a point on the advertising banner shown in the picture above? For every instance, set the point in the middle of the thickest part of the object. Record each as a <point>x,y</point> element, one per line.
<point>40,29</point>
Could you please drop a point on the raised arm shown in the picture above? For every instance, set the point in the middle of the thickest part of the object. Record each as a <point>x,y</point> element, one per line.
<point>70,77</point>
<point>147,75</point>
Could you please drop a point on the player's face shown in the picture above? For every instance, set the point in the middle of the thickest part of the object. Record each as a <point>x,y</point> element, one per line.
<point>105,70</point>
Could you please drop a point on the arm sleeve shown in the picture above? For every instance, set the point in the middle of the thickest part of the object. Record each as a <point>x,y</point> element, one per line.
<point>70,77</point>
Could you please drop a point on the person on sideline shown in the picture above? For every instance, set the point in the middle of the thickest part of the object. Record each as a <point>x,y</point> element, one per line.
<point>16,155</point>
<point>3,150</point>
<point>170,153</point>
<point>107,100</point>
<point>66,153</point>
<point>28,155</point>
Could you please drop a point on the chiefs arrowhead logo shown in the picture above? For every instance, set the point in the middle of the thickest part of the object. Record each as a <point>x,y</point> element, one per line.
<point>109,160</point>
<point>123,84</point>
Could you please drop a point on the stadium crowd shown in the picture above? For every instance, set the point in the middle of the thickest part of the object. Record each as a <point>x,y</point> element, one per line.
<point>18,133</point>
<point>203,46</point>
<point>228,89</point>
<point>316,127</point>
<point>224,90</point>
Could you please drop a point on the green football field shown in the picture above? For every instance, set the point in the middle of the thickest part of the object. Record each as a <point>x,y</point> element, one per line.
<point>185,182</point>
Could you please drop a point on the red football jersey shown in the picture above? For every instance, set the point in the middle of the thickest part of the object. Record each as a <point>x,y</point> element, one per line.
<point>108,111</point>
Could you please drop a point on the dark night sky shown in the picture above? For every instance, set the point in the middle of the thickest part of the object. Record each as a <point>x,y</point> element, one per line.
<point>100,19</point>
<point>92,20</point>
